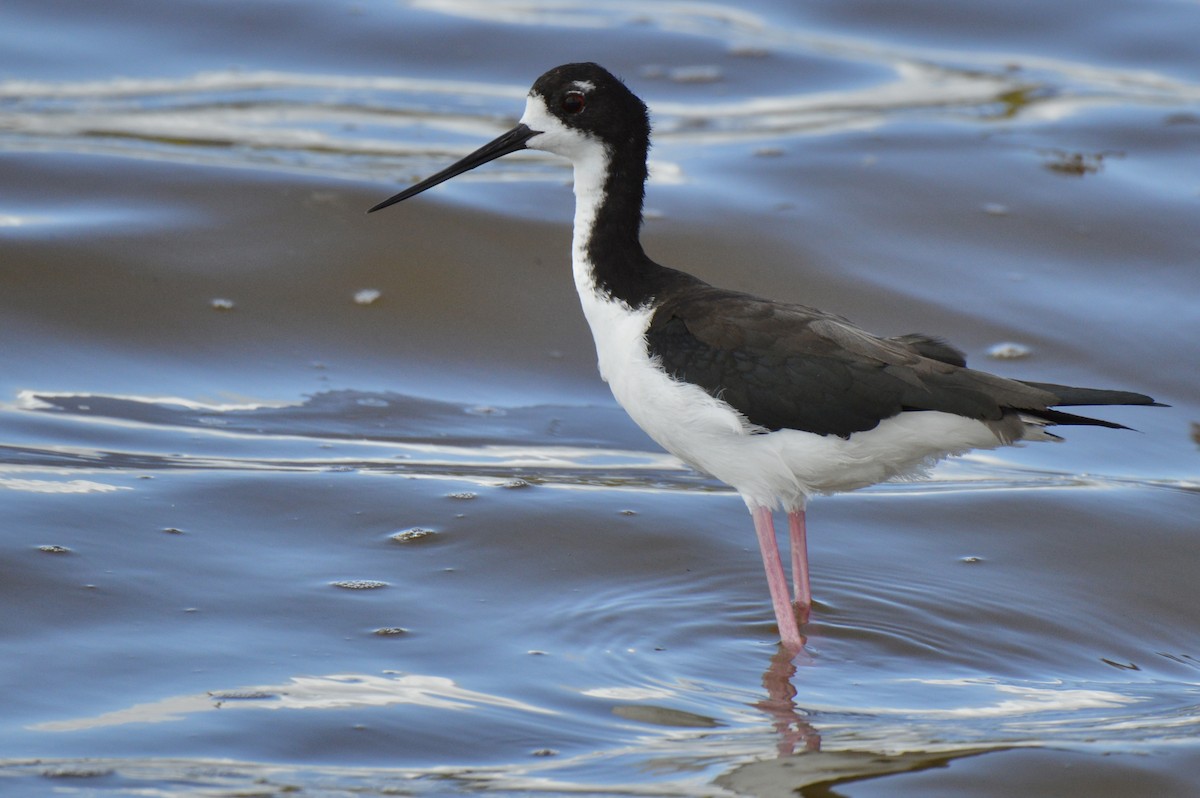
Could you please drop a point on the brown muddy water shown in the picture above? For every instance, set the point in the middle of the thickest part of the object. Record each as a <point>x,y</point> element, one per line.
<point>300,501</point>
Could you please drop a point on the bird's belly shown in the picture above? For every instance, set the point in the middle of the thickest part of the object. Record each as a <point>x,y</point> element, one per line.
<point>786,467</point>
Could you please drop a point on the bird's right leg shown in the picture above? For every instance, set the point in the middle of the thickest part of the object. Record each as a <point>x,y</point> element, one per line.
<point>798,536</point>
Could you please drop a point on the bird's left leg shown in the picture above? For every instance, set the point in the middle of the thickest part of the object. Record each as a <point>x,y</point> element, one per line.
<point>764,527</point>
<point>801,591</point>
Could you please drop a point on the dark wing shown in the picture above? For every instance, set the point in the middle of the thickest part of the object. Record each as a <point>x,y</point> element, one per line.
<point>930,347</point>
<point>794,367</point>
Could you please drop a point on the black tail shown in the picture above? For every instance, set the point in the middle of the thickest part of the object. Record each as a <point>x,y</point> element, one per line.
<point>1069,396</point>
<point>1074,397</point>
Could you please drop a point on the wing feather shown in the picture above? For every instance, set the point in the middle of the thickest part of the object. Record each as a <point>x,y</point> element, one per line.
<point>795,367</point>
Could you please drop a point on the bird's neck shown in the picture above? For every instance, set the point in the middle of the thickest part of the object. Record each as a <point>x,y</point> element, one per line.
<point>607,254</point>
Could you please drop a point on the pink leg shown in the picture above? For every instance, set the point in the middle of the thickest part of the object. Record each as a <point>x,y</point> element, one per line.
<point>799,541</point>
<point>785,616</point>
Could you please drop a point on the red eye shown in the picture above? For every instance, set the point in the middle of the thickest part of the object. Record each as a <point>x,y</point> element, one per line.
<point>573,102</point>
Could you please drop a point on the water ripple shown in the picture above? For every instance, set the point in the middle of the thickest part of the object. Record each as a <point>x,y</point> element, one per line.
<point>395,434</point>
<point>354,126</point>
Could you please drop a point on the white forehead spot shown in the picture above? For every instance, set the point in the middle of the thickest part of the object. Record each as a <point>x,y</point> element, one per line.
<point>553,136</point>
<point>583,85</point>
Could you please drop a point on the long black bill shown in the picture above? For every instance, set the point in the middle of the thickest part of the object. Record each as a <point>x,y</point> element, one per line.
<point>511,141</point>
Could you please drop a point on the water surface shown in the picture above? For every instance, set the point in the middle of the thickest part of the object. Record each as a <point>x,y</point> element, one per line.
<point>265,532</point>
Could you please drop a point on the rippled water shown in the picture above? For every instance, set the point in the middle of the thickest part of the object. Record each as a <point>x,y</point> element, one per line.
<point>300,500</point>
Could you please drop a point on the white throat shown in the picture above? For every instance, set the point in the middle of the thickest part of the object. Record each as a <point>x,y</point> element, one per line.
<point>590,174</point>
<point>590,157</point>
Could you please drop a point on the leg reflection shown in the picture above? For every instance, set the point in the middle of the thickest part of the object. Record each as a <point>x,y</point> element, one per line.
<point>795,732</point>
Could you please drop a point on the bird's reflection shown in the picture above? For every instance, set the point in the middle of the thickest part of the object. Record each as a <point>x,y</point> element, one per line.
<point>794,730</point>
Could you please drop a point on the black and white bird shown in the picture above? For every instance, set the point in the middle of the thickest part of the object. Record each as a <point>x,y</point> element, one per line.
<point>781,401</point>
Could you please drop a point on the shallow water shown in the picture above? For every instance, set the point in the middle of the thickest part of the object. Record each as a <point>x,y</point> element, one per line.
<point>263,536</point>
